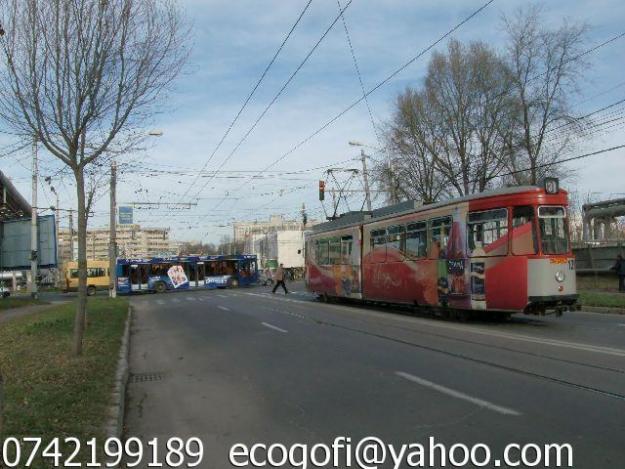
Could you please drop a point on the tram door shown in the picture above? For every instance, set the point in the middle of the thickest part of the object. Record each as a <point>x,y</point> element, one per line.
<point>139,277</point>
<point>201,274</point>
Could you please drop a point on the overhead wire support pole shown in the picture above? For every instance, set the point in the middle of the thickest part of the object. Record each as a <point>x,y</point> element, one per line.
<point>365,177</point>
<point>71,234</point>
<point>113,233</point>
<point>33,226</point>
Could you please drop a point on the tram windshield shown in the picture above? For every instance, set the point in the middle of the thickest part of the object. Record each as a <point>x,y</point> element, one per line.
<point>553,230</point>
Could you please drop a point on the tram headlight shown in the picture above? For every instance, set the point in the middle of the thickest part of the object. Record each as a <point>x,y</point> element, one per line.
<point>560,276</point>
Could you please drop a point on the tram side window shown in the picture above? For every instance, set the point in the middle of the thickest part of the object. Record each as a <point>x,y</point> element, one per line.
<point>523,231</point>
<point>440,230</point>
<point>485,229</point>
<point>334,251</point>
<point>553,230</point>
<point>322,252</point>
<point>347,243</point>
<point>416,239</point>
<point>378,244</point>
<point>396,238</point>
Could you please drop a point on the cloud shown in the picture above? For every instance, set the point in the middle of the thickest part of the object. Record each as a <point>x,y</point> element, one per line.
<point>233,42</point>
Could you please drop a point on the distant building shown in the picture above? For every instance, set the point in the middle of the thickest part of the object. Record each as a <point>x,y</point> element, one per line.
<point>287,247</point>
<point>244,229</point>
<point>132,241</point>
<point>274,239</point>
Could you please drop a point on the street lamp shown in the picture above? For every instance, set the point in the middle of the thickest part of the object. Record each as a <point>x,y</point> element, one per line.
<point>365,177</point>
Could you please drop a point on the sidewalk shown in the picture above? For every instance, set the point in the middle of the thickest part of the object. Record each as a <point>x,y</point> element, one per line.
<point>8,314</point>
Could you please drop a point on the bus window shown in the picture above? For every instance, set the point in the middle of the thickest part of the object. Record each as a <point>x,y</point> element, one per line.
<point>93,272</point>
<point>440,230</point>
<point>416,239</point>
<point>159,269</point>
<point>396,238</point>
<point>554,232</point>
<point>124,270</point>
<point>335,251</point>
<point>485,229</point>
<point>346,249</point>
<point>73,273</point>
<point>523,232</point>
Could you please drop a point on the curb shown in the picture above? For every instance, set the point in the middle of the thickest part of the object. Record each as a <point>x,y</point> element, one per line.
<point>603,310</point>
<point>115,422</point>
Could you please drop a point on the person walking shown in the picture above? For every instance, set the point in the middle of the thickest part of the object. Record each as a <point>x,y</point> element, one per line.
<point>619,268</point>
<point>279,277</point>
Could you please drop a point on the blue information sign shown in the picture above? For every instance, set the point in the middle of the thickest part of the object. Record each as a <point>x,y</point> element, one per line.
<point>125,215</point>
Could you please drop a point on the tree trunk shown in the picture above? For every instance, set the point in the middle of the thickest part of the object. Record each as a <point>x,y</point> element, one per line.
<point>81,305</point>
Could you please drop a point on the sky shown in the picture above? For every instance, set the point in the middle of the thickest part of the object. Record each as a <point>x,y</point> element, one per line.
<point>232,43</point>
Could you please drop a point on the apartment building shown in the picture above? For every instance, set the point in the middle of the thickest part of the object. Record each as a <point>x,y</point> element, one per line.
<point>132,241</point>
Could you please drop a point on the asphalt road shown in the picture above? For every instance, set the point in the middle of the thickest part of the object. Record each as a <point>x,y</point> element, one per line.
<point>243,365</point>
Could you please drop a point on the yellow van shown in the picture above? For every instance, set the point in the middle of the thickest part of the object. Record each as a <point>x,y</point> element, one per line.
<point>97,276</point>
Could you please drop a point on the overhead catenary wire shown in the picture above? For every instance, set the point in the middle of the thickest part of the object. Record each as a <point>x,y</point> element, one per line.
<point>252,92</point>
<point>358,73</point>
<point>372,90</point>
<point>279,93</point>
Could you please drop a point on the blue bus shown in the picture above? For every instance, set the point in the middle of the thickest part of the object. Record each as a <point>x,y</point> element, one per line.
<point>159,274</point>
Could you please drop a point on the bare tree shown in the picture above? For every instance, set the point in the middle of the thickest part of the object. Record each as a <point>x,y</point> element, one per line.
<point>81,77</point>
<point>546,67</point>
<point>468,88</point>
<point>453,136</point>
<point>414,148</point>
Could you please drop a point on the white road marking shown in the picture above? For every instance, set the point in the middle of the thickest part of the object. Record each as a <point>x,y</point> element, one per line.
<point>223,308</point>
<point>222,296</point>
<point>176,300</point>
<point>622,325</point>
<point>275,328</point>
<point>190,298</point>
<point>458,394</point>
<point>160,302</point>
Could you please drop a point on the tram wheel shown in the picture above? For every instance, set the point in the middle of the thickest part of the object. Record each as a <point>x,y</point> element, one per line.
<point>160,287</point>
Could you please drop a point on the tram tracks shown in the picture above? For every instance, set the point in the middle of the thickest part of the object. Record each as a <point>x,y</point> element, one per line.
<point>480,361</point>
<point>467,357</point>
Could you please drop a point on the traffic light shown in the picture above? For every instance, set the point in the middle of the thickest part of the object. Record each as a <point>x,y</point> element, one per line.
<point>322,188</point>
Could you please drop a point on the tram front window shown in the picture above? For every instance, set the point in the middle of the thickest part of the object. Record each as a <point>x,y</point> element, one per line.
<point>553,230</point>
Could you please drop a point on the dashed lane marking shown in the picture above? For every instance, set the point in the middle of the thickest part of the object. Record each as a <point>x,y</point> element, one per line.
<point>458,394</point>
<point>223,308</point>
<point>275,328</point>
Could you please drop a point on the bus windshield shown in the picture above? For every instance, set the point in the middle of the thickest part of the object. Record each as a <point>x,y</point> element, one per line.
<point>553,230</point>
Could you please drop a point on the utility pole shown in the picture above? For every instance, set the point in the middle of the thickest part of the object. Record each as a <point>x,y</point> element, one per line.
<point>365,177</point>
<point>33,227</point>
<point>392,182</point>
<point>71,234</point>
<point>112,230</point>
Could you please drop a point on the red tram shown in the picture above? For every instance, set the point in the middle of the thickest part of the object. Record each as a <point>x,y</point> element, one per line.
<point>502,251</point>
